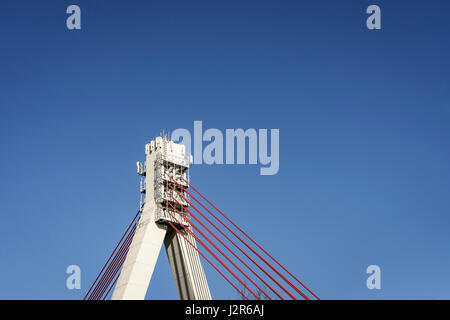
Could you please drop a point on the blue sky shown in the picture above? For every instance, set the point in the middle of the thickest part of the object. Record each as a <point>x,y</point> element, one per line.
<point>364,119</point>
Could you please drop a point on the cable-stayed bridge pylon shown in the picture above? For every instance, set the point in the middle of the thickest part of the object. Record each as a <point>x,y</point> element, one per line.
<point>168,216</point>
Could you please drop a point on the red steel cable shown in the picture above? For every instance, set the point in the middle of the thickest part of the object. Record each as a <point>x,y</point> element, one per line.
<point>226,278</point>
<point>112,286</point>
<point>304,286</point>
<point>259,256</point>
<point>116,261</point>
<point>279,296</point>
<point>122,260</point>
<point>212,253</point>
<point>117,265</point>
<point>111,255</point>
<point>95,293</point>
<point>199,231</point>
<point>102,280</point>
<point>234,254</point>
<point>105,276</point>
<point>221,232</point>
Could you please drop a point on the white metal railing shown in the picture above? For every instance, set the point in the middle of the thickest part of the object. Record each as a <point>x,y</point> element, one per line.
<point>175,160</point>
<point>142,185</point>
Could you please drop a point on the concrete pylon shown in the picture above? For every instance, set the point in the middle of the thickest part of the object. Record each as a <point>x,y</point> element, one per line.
<point>162,157</point>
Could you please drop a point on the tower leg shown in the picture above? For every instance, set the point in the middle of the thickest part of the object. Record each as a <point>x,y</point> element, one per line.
<point>187,270</point>
<point>141,259</point>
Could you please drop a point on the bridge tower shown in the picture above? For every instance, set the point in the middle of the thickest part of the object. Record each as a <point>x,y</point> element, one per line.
<point>162,157</point>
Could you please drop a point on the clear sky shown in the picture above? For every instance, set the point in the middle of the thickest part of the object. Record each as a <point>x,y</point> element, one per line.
<point>364,119</point>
